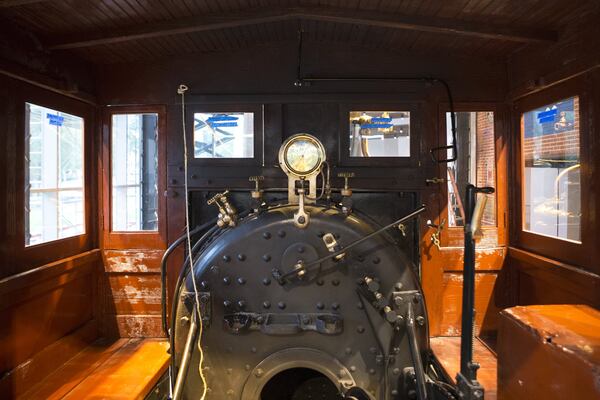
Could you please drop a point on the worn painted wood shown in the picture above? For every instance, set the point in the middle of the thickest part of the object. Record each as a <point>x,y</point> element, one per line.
<point>132,261</point>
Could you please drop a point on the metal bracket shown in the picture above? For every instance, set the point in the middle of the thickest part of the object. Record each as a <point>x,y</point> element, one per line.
<point>301,217</point>
<point>189,299</point>
<point>283,323</point>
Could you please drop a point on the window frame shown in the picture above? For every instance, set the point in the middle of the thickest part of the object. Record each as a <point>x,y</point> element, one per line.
<point>453,236</point>
<point>43,253</point>
<point>133,239</point>
<point>416,124</point>
<point>258,140</point>
<point>583,253</point>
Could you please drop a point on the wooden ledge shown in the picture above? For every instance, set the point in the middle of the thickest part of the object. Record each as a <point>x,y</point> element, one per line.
<point>123,369</point>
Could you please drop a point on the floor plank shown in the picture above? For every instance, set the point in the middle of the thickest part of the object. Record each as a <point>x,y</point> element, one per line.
<point>447,351</point>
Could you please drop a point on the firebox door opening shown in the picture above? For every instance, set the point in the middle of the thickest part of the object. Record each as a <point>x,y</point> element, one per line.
<point>300,384</point>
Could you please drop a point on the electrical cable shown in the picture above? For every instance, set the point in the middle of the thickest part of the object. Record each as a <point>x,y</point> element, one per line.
<point>181,91</point>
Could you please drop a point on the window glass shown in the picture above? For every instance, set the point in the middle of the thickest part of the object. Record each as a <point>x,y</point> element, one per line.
<point>379,134</point>
<point>476,163</point>
<point>551,170</point>
<point>224,135</point>
<point>134,172</point>
<point>54,183</point>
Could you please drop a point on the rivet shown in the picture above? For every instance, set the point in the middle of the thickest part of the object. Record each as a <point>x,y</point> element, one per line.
<point>352,368</point>
<point>396,371</point>
<point>229,371</point>
<point>335,282</point>
<point>226,258</point>
<point>230,392</point>
<point>204,285</point>
<point>376,260</point>
<point>266,304</point>
<point>241,280</point>
<point>300,249</point>
<point>266,281</point>
<point>258,373</point>
<point>253,350</point>
<point>335,306</point>
<point>241,304</point>
<point>241,257</point>
<point>320,306</point>
<point>394,392</point>
<point>320,282</point>
<point>398,286</point>
<point>260,319</point>
<point>359,305</point>
<point>305,320</point>
<point>281,305</point>
<point>227,303</point>
<point>281,233</point>
<point>226,280</point>
<point>360,258</point>
<point>267,235</point>
<point>348,350</point>
<point>247,367</point>
<point>372,371</point>
<point>266,258</point>
<point>420,320</point>
<point>360,329</point>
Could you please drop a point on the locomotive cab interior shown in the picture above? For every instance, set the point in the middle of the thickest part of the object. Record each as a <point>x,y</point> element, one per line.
<point>293,200</point>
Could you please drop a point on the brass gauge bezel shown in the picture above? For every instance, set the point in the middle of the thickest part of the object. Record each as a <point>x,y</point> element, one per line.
<point>284,162</point>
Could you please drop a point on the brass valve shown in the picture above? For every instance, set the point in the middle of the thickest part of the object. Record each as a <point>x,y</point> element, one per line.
<point>227,213</point>
<point>346,191</point>
<point>257,193</point>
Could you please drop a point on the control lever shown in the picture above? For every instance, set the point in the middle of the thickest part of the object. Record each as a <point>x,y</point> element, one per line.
<point>257,193</point>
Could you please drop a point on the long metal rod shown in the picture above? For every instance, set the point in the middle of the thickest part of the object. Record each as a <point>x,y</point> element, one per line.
<point>414,352</point>
<point>359,241</point>
<point>186,357</point>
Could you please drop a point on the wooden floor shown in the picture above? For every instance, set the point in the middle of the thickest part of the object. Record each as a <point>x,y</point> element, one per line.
<point>447,351</point>
<point>108,369</point>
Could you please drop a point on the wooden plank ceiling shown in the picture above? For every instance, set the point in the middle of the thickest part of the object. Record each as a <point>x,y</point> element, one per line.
<point>112,31</point>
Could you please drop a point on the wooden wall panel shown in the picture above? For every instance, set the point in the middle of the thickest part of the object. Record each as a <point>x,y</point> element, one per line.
<point>38,310</point>
<point>130,293</point>
<point>486,316</point>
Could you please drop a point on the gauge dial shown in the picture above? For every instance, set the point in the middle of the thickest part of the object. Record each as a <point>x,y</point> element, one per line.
<point>302,155</point>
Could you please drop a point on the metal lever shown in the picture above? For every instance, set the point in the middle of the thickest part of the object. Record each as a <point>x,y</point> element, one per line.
<point>478,211</point>
<point>435,237</point>
<point>257,192</point>
<point>346,191</point>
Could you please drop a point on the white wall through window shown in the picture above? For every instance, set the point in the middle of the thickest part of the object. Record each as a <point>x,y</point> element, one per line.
<point>134,172</point>
<point>54,182</point>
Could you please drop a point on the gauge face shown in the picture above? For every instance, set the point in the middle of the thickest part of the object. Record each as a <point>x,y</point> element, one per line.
<point>303,155</point>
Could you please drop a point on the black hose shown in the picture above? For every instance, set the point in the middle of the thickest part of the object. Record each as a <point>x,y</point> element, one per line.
<point>163,271</point>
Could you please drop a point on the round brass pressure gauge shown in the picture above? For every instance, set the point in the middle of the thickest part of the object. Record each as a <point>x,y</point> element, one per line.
<point>302,156</point>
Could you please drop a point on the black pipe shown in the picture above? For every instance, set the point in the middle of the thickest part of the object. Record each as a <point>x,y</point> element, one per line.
<point>467,368</point>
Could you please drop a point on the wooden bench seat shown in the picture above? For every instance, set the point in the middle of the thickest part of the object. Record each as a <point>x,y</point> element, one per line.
<point>107,369</point>
<point>549,352</point>
<point>447,352</point>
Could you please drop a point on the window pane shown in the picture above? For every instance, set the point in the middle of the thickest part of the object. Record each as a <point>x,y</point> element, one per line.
<point>54,182</point>
<point>134,172</point>
<point>379,134</point>
<point>476,163</point>
<point>224,135</point>
<point>551,174</point>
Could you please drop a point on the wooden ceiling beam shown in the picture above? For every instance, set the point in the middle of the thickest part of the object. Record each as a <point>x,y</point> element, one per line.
<point>16,3</point>
<point>254,17</point>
